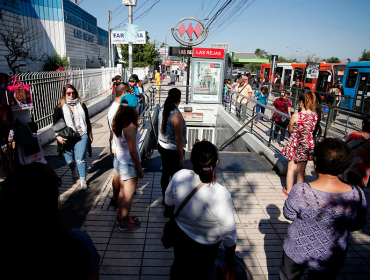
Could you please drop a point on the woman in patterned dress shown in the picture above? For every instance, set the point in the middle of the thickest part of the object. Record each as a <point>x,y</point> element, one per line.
<point>300,145</point>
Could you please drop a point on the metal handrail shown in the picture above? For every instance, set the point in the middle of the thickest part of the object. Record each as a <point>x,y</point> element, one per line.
<point>221,146</point>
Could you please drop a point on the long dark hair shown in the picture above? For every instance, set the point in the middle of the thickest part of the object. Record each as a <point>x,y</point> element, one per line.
<point>174,95</point>
<point>123,118</point>
<point>204,156</point>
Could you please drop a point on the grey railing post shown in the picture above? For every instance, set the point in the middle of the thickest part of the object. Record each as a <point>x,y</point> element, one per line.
<point>330,116</point>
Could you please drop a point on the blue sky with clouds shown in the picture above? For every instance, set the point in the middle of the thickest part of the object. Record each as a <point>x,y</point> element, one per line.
<point>288,28</point>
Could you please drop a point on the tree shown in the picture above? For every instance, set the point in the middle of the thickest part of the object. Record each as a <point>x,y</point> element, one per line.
<point>312,58</point>
<point>254,67</point>
<point>54,62</point>
<point>20,44</point>
<point>260,53</point>
<point>365,56</point>
<point>142,54</point>
<point>333,60</point>
<point>283,59</point>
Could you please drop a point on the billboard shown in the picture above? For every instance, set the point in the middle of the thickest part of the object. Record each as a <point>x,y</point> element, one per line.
<point>118,37</point>
<point>207,75</point>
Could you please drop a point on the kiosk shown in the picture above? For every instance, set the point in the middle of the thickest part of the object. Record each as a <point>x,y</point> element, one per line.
<point>207,75</point>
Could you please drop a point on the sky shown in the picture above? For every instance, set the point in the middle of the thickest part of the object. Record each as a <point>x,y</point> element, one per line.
<point>292,29</point>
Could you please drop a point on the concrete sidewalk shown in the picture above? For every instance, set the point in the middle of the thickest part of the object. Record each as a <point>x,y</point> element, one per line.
<point>139,254</point>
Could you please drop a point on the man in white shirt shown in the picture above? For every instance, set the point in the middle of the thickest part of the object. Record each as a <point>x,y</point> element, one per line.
<point>120,89</point>
<point>241,102</point>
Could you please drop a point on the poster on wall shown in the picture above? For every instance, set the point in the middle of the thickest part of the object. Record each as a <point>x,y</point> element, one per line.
<point>206,80</point>
<point>312,70</point>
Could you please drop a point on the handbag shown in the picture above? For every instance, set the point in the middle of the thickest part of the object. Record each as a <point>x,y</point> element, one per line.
<point>20,95</point>
<point>63,130</point>
<point>169,230</point>
<point>225,272</point>
<point>360,220</point>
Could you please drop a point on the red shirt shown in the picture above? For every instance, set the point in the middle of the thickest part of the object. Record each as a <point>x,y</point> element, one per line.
<point>281,105</point>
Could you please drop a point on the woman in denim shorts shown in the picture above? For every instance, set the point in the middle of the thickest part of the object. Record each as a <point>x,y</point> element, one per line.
<point>127,159</point>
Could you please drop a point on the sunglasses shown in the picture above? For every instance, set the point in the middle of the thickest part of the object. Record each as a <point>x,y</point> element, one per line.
<point>70,93</point>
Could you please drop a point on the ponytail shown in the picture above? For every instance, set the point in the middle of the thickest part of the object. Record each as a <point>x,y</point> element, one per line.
<point>173,98</point>
<point>204,157</point>
<point>310,100</point>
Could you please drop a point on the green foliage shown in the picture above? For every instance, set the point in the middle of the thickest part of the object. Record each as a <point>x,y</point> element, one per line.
<point>260,53</point>
<point>54,62</point>
<point>365,56</point>
<point>253,67</point>
<point>283,59</point>
<point>333,60</point>
<point>142,55</point>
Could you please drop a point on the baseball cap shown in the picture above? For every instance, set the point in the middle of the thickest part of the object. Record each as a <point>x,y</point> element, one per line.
<point>131,100</point>
<point>282,93</point>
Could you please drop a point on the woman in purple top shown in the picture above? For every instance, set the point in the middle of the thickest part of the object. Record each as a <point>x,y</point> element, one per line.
<point>323,212</point>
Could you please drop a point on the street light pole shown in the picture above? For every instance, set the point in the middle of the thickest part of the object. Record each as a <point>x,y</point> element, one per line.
<point>292,51</point>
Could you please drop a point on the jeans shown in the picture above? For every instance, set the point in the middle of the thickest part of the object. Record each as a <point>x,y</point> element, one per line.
<point>241,110</point>
<point>192,260</point>
<point>76,152</point>
<point>260,109</point>
<point>278,126</point>
<point>170,165</point>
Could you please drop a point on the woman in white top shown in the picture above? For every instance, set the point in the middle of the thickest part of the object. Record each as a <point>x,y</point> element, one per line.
<point>127,159</point>
<point>205,221</point>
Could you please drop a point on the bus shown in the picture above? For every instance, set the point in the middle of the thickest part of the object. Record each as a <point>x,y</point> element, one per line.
<point>329,73</point>
<point>356,86</point>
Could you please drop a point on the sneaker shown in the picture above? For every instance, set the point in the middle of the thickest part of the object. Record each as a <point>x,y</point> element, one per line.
<point>75,173</point>
<point>130,224</point>
<point>83,185</point>
<point>118,219</point>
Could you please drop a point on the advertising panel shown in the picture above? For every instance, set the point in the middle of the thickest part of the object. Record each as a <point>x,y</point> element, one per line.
<point>312,70</point>
<point>207,75</point>
<point>131,33</point>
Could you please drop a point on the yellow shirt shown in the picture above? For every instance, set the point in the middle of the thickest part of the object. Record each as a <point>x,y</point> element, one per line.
<point>157,78</point>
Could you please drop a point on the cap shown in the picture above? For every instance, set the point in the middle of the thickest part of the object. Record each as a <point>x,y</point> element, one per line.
<point>282,93</point>
<point>131,100</point>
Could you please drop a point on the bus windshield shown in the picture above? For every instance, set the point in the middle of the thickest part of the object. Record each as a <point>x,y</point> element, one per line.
<point>339,73</point>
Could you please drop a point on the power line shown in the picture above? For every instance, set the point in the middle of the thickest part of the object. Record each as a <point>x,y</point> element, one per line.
<point>124,21</point>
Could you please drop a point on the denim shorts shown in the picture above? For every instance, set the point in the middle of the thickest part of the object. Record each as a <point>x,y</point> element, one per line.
<point>125,170</point>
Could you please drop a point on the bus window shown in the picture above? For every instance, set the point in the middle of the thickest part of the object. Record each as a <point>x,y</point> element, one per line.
<point>339,73</point>
<point>298,73</point>
<point>351,78</point>
<point>266,75</point>
<point>279,70</point>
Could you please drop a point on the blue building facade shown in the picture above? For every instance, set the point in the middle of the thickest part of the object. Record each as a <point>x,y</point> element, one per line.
<point>57,26</point>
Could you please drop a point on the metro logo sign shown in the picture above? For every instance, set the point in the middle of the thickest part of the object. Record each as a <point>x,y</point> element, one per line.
<point>209,53</point>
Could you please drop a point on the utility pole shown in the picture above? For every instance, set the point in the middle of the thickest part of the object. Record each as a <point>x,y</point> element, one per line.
<point>130,64</point>
<point>109,42</point>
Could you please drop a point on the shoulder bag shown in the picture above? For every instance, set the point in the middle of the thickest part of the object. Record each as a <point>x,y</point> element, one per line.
<point>63,130</point>
<point>283,119</point>
<point>169,230</point>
